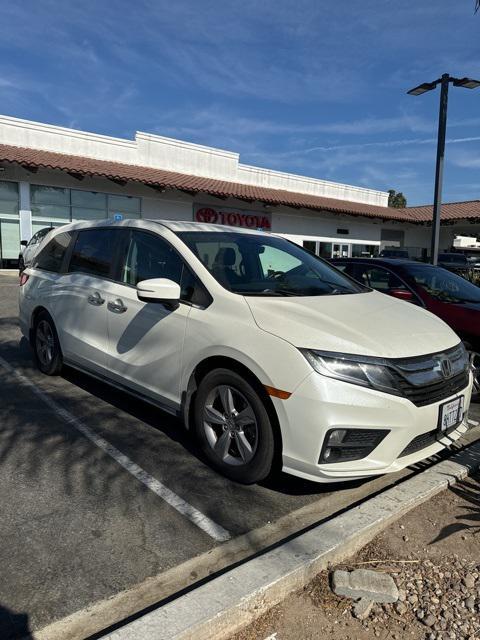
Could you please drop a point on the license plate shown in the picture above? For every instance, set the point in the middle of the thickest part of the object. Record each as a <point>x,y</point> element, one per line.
<point>451,414</point>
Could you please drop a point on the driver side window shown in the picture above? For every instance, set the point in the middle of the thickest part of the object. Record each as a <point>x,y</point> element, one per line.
<point>150,256</point>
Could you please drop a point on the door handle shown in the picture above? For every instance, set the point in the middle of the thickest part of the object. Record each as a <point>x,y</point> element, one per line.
<point>95,299</point>
<point>117,306</point>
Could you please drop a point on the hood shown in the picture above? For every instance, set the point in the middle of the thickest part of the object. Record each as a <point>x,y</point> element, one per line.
<point>363,324</point>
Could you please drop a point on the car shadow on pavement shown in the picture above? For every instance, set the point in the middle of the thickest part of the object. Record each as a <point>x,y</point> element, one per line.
<point>175,457</point>
<point>173,428</point>
<point>14,626</point>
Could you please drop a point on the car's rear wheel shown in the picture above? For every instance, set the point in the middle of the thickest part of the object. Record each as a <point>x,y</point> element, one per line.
<point>233,427</point>
<point>46,346</point>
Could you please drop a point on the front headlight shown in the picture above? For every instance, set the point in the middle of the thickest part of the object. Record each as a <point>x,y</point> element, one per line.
<point>363,370</point>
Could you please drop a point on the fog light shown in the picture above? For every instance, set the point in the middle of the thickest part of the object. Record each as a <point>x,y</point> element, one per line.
<point>336,436</point>
<point>332,454</point>
<point>343,445</point>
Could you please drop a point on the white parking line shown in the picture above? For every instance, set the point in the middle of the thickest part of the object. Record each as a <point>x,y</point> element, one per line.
<point>202,521</point>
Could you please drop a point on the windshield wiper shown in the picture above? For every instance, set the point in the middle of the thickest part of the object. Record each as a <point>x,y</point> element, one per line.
<point>264,293</point>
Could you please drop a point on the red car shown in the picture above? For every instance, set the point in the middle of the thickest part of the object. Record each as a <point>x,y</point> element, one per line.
<point>445,294</point>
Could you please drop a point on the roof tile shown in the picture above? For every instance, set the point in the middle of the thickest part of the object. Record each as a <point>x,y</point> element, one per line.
<point>169,179</point>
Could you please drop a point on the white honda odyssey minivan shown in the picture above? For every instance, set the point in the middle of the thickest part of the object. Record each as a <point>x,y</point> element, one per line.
<point>271,356</point>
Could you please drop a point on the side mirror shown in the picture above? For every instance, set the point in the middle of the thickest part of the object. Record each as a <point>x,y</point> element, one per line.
<point>402,294</point>
<point>159,290</point>
<point>24,243</point>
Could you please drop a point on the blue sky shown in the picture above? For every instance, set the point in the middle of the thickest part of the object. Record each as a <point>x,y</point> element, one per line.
<point>315,87</point>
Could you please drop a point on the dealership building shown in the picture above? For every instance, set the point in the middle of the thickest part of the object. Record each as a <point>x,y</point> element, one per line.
<point>51,175</point>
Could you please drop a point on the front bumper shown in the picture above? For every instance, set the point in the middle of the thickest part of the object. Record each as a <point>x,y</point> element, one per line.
<point>321,403</point>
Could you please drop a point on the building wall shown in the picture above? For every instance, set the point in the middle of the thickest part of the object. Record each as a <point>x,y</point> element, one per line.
<point>301,226</point>
<point>174,155</point>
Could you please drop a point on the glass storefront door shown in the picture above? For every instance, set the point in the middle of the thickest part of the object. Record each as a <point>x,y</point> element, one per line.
<point>341,250</point>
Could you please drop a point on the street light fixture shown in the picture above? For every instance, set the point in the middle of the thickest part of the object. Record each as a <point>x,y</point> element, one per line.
<point>444,81</point>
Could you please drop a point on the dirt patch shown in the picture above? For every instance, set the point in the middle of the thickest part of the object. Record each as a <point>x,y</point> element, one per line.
<point>433,553</point>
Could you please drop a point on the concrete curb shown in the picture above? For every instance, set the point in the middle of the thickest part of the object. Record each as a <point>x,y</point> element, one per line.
<point>223,606</point>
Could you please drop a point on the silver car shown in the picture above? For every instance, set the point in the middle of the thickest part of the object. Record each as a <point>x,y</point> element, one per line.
<point>31,247</point>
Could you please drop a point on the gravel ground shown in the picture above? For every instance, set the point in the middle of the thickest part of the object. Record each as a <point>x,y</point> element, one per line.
<point>433,554</point>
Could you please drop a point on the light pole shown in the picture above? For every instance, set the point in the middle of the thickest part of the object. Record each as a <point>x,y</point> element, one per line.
<point>444,81</point>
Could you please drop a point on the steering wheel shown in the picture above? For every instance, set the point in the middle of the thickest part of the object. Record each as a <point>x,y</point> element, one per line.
<point>276,275</point>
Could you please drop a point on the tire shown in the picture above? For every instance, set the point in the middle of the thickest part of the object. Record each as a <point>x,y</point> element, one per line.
<point>475,361</point>
<point>474,356</point>
<point>233,427</point>
<point>46,346</point>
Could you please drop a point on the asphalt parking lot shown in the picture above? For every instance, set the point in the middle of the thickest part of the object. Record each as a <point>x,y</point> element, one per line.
<point>107,508</point>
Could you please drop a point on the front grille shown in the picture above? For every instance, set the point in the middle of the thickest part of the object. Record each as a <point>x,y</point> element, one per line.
<point>431,393</point>
<point>423,441</point>
<point>422,381</point>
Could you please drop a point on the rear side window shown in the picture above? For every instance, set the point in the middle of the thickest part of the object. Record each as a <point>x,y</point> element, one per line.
<point>52,255</point>
<point>382,280</point>
<point>94,252</point>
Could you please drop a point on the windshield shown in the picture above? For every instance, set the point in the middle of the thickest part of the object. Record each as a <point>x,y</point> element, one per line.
<point>262,265</point>
<point>457,258</point>
<point>444,285</point>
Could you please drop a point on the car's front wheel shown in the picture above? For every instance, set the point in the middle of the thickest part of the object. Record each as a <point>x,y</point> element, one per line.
<point>475,367</point>
<point>233,427</point>
<point>46,346</point>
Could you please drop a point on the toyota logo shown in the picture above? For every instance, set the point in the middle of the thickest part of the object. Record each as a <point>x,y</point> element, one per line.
<point>446,367</point>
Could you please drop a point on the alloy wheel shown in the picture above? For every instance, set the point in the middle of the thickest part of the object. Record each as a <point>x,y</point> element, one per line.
<point>230,425</point>
<point>475,367</point>
<point>45,343</point>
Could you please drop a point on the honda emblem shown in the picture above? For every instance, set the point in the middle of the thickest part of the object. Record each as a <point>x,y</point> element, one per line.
<point>446,367</point>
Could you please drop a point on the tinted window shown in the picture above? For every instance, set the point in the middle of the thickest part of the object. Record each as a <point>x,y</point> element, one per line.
<point>454,258</point>
<point>51,257</point>
<point>444,285</point>
<point>149,256</point>
<point>381,279</point>
<point>255,264</point>
<point>94,252</point>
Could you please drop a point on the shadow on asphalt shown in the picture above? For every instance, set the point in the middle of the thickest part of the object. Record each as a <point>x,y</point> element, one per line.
<point>174,430</point>
<point>42,439</point>
<point>14,625</point>
<point>34,439</point>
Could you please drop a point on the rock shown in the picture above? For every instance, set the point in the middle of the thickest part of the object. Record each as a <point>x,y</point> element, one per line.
<point>420,614</point>
<point>401,608</point>
<point>429,620</point>
<point>362,608</point>
<point>402,595</point>
<point>469,581</point>
<point>365,583</point>
<point>413,599</point>
<point>470,603</point>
